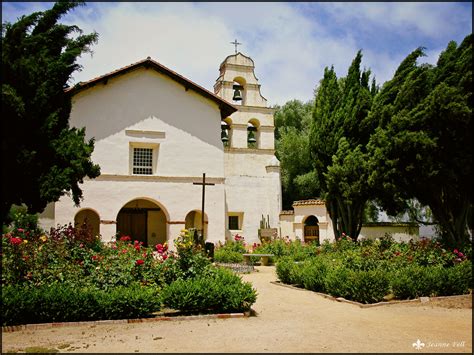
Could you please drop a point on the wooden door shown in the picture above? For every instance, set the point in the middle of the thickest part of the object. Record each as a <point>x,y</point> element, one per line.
<point>134,224</point>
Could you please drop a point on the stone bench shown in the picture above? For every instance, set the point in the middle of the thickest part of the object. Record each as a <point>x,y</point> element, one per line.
<point>263,258</point>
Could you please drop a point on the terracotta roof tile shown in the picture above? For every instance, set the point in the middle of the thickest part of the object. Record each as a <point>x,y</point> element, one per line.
<point>225,107</point>
<point>309,202</point>
<point>288,212</point>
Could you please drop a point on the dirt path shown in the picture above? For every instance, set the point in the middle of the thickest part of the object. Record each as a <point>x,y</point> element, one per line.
<point>288,320</point>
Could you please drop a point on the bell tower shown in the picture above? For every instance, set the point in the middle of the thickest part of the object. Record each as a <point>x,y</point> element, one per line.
<point>252,171</point>
<point>237,73</point>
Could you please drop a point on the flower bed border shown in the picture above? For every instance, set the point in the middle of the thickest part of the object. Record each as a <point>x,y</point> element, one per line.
<point>36,326</point>
<point>367,305</point>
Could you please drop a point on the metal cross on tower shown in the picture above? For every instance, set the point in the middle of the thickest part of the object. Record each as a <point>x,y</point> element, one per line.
<point>235,43</point>
<point>203,183</point>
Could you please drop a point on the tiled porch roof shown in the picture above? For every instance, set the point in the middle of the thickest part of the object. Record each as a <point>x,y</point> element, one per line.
<point>309,202</point>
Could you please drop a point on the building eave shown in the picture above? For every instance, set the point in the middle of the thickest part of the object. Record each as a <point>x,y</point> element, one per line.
<point>225,107</point>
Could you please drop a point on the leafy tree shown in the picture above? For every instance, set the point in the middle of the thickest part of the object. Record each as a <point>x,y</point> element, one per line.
<point>423,147</point>
<point>292,122</point>
<point>42,157</point>
<point>339,133</point>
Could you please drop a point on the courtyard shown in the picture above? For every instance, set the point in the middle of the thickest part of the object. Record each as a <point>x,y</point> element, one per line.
<point>287,320</point>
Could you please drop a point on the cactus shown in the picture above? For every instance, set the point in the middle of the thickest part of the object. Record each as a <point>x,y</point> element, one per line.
<point>265,223</point>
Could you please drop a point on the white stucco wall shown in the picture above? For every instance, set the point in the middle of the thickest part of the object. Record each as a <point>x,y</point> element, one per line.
<point>400,233</point>
<point>286,226</point>
<point>184,125</point>
<point>292,225</point>
<point>146,107</point>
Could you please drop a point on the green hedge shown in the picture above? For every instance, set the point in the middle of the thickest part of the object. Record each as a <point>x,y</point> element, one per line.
<point>228,256</point>
<point>62,303</point>
<point>369,286</point>
<point>361,286</point>
<point>220,291</point>
<point>416,281</point>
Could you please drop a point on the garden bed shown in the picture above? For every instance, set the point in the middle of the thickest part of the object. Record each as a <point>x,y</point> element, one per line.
<point>456,301</point>
<point>70,276</point>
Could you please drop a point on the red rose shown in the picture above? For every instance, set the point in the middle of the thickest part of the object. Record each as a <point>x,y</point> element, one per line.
<point>16,241</point>
<point>165,256</point>
<point>139,262</point>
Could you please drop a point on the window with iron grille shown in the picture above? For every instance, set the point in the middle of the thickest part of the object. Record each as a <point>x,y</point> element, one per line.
<point>143,161</point>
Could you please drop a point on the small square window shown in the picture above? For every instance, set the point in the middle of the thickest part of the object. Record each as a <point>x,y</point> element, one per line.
<point>143,161</point>
<point>234,223</point>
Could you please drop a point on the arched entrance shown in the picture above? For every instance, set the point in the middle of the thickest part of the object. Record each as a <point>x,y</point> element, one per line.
<point>90,218</point>
<point>194,220</point>
<point>143,220</point>
<point>311,229</point>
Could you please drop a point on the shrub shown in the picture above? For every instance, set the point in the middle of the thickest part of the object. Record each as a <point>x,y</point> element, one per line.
<point>63,303</point>
<point>21,219</point>
<point>220,291</point>
<point>283,269</point>
<point>223,255</point>
<point>371,286</point>
<point>361,286</point>
<point>417,281</point>
<point>457,280</point>
<point>314,273</point>
<point>338,282</point>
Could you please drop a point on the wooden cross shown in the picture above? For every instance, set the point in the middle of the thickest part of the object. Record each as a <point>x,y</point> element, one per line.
<point>235,43</point>
<point>203,183</point>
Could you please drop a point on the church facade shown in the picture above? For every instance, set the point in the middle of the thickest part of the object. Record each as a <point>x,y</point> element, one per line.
<point>156,133</point>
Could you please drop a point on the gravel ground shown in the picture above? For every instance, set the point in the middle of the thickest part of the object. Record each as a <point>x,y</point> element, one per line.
<point>288,320</point>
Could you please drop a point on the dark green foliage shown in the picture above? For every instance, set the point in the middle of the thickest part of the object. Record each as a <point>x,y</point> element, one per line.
<point>62,303</point>
<point>416,281</point>
<point>283,269</point>
<point>338,135</point>
<point>361,286</point>
<point>20,218</point>
<point>423,146</point>
<point>289,271</point>
<point>292,124</point>
<point>314,274</point>
<point>280,248</point>
<point>42,157</point>
<point>227,256</point>
<point>230,252</point>
<point>368,270</point>
<point>193,265</point>
<point>219,291</point>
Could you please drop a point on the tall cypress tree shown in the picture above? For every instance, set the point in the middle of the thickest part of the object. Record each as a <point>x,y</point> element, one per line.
<point>42,157</point>
<point>337,140</point>
<point>423,148</point>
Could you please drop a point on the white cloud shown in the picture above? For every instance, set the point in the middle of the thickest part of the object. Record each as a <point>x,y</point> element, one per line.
<point>435,20</point>
<point>289,46</point>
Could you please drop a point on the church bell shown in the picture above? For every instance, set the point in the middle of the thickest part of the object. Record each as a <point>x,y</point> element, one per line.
<point>224,137</point>
<point>237,93</point>
<point>251,137</point>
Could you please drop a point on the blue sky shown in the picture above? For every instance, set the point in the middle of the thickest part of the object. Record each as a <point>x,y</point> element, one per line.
<point>291,43</point>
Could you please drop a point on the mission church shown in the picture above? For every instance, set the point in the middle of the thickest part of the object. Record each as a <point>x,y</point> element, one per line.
<point>167,146</point>
<point>156,133</point>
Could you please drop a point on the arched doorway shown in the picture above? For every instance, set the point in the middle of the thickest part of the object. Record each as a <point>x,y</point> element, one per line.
<point>143,220</point>
<point>90,218</point>
<point>194,220</point>
<point>311,229</point>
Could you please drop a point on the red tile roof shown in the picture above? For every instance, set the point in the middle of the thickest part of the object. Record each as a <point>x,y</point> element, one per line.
<point>309,202</point>
<point>225,107</point>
